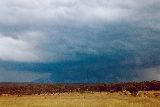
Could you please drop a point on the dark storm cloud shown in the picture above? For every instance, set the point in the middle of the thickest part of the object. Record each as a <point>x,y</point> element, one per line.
<point>51,31</point>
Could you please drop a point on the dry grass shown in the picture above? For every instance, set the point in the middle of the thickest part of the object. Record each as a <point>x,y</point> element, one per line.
<point>143,99</point>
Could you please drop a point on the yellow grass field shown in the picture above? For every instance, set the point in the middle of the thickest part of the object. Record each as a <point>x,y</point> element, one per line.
<point>97,99</point>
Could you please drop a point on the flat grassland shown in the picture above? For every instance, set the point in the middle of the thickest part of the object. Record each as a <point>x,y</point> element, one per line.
<point>87,99</point>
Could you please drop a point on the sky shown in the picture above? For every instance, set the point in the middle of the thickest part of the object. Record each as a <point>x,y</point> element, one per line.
<point>79,41</point>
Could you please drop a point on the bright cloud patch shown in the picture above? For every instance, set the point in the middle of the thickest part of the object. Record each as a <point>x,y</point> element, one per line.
<point>16,50</point>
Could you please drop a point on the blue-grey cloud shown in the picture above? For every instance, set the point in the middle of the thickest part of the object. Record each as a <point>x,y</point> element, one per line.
<point>38,32</point>
<point>21,76</point>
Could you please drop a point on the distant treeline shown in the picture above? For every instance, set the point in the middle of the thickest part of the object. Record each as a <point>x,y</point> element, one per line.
<point>35,88</point>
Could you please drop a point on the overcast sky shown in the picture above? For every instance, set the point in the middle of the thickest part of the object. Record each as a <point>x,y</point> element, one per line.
<point>79,40</point>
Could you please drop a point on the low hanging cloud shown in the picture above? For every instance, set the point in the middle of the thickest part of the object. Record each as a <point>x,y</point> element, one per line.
<point>21,76</point>
<point>149,74</point>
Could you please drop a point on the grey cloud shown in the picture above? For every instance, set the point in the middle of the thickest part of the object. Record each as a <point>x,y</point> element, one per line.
<point>21,76</point>
<point>148,74</point>
<point>126,32</point>
<point>39,12</point>
<point>55,30</point>
<point>16,50</point>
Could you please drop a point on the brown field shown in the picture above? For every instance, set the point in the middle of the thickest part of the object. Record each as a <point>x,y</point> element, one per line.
<point>131,94</point>
<point>87,99</point>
